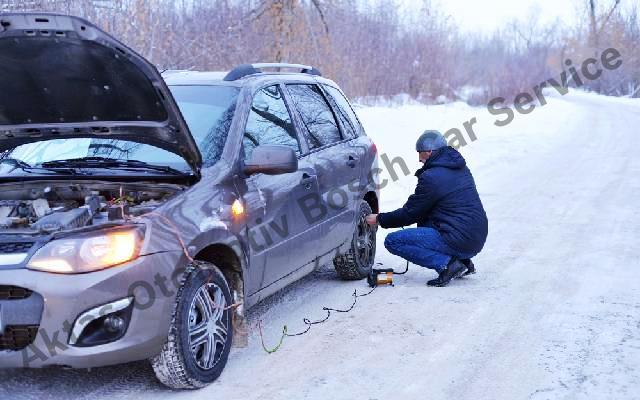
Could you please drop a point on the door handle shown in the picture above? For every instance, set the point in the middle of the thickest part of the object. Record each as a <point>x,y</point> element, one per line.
<point>307,180</point>
<point>352,161</point>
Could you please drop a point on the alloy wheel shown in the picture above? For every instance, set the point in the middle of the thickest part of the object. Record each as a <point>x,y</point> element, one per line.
<point>207,326</point>
<point>366,241</point>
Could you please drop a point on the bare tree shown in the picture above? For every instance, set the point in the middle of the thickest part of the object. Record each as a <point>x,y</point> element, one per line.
<point>373,48</point>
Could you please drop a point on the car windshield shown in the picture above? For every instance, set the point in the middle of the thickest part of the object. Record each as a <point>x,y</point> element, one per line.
<point>37,153</point>
<point>208,111</point>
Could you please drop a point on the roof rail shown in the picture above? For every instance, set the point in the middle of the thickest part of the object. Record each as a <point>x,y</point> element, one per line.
<point>249,69</point>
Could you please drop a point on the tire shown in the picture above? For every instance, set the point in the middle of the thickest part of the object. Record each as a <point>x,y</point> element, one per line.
<point>358,261</point>
<point>181,365</point>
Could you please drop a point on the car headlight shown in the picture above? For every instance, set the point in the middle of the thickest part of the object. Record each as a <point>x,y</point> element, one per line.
<point>88,253</point>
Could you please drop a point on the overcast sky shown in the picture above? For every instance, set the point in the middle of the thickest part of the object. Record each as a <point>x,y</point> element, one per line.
<point>476,15</point>
<point>487,15</point>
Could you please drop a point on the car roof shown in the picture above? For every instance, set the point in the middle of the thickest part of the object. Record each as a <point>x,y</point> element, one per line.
<point>194,77</point>
<point>188,77</point>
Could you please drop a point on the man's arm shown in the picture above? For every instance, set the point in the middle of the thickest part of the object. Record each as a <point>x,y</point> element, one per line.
<point>417,206</point>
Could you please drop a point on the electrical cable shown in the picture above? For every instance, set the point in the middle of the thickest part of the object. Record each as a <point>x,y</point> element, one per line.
<point>310,323</point>
<point>264,347</point>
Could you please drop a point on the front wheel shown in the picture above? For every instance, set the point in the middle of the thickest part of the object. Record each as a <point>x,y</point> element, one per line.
<point>358,261</point>
<point>201,331</point>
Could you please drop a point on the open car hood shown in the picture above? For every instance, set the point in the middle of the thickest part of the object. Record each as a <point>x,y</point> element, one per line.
<point>62,77</point>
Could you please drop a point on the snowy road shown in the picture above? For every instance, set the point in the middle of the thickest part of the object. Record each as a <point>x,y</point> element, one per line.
<point>554,312</point>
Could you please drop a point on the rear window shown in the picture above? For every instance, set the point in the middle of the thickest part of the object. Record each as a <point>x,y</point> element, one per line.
<point>345,110</point>
<point>319,121</point>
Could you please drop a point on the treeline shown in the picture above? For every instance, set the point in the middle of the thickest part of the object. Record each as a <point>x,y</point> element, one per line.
<point>373,49</point>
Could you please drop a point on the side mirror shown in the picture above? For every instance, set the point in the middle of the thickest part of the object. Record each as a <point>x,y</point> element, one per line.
<point>272,160</point>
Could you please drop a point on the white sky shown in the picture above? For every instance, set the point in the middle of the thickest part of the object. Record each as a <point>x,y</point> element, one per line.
<point>488,15</point>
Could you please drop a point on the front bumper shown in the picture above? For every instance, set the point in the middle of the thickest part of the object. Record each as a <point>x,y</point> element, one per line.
<point>149,279</point>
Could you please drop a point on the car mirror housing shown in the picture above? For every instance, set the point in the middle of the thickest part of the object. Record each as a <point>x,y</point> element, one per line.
<point>271,160</point>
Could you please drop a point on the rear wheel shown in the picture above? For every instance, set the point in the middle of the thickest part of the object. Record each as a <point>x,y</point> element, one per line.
<point>358,261</point>
<point>201,332</point>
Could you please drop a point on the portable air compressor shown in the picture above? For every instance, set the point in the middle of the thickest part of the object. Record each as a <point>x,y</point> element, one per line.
<point>379,277</point>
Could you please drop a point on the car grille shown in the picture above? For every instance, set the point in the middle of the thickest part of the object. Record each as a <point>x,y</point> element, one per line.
<point>16,247</point>
<point>13,292</point>
<point>17,337</point>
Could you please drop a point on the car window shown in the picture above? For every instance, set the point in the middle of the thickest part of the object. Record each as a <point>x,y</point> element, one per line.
<point>319,121</point>
<point>345,111</point>
<point>208,111</point>
<point>269,122</point>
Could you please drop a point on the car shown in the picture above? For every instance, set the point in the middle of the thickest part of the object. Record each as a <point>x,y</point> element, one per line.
<point>142,214</point>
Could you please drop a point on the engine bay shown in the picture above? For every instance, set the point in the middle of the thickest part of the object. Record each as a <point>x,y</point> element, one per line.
<point>47,207</point>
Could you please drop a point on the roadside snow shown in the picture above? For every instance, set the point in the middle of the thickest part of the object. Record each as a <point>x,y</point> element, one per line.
<point>553,313</point>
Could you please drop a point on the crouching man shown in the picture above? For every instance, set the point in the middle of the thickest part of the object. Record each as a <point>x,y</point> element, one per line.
<point>451,222</point>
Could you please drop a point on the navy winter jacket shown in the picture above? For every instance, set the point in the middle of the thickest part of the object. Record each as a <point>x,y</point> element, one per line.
<point>447,200</point>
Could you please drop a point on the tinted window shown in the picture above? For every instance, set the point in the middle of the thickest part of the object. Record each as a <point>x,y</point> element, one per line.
<point>269,122</point>
<point>321,126</point>
<point>345,111</point>
<point>208,111</point>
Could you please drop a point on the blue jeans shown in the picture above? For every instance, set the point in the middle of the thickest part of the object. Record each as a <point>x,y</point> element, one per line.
<point>422,246</point>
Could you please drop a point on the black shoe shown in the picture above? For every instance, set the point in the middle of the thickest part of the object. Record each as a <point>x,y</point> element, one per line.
<point>454,270</point>
<point>471,269</point>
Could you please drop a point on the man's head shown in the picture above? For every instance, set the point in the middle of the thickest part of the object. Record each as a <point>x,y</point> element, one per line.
<point>429,142</point>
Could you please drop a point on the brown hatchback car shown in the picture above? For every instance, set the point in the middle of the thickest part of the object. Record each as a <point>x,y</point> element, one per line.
<point>141,215</point>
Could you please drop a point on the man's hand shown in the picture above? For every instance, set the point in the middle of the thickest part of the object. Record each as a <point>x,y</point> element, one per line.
<point>372,219</point>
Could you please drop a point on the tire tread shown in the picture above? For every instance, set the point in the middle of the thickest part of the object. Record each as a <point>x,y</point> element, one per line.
<point>346,265</point>
<point>169,365</point>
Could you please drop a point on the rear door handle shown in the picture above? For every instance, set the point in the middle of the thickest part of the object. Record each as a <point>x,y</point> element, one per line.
<point>307,180</point>
<point>352,161</point>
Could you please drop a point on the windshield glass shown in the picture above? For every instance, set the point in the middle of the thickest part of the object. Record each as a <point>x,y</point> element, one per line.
<point>208,111</point>
<point>37,153</point>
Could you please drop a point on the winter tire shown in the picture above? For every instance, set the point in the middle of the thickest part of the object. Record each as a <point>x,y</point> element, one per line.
<point>358,261</point>
<point>201,331</point>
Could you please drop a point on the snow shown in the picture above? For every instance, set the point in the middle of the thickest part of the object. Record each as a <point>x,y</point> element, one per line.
<point>553,313</point>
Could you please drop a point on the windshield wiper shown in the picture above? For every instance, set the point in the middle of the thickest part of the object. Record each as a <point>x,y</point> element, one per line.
<point>16,162</point>
<point>103,162</point>
<point>26,167</point>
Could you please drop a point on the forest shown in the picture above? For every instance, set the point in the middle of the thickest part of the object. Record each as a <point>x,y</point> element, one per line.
<point>375,50</point>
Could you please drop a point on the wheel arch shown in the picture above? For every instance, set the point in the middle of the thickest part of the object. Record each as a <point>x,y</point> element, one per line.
<point>227,260</point>
<point>372,199</point>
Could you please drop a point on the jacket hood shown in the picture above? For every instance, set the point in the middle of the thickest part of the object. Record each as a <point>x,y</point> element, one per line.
<point>446,157</point>
<point>62,77</point>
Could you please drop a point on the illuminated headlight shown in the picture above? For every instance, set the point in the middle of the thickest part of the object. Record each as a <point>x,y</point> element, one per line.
<point>88,253</point>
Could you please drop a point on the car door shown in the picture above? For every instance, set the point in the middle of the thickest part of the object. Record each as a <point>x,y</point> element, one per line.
<point>272,199</point>
<point>335,162</point>
<point>359,145</point>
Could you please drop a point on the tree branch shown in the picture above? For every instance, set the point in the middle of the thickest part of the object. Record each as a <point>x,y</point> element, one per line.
<point>604,23</point>
<point>316,4</point>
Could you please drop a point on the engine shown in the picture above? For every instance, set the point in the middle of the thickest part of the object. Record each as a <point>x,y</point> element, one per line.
<point>62,206</point>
